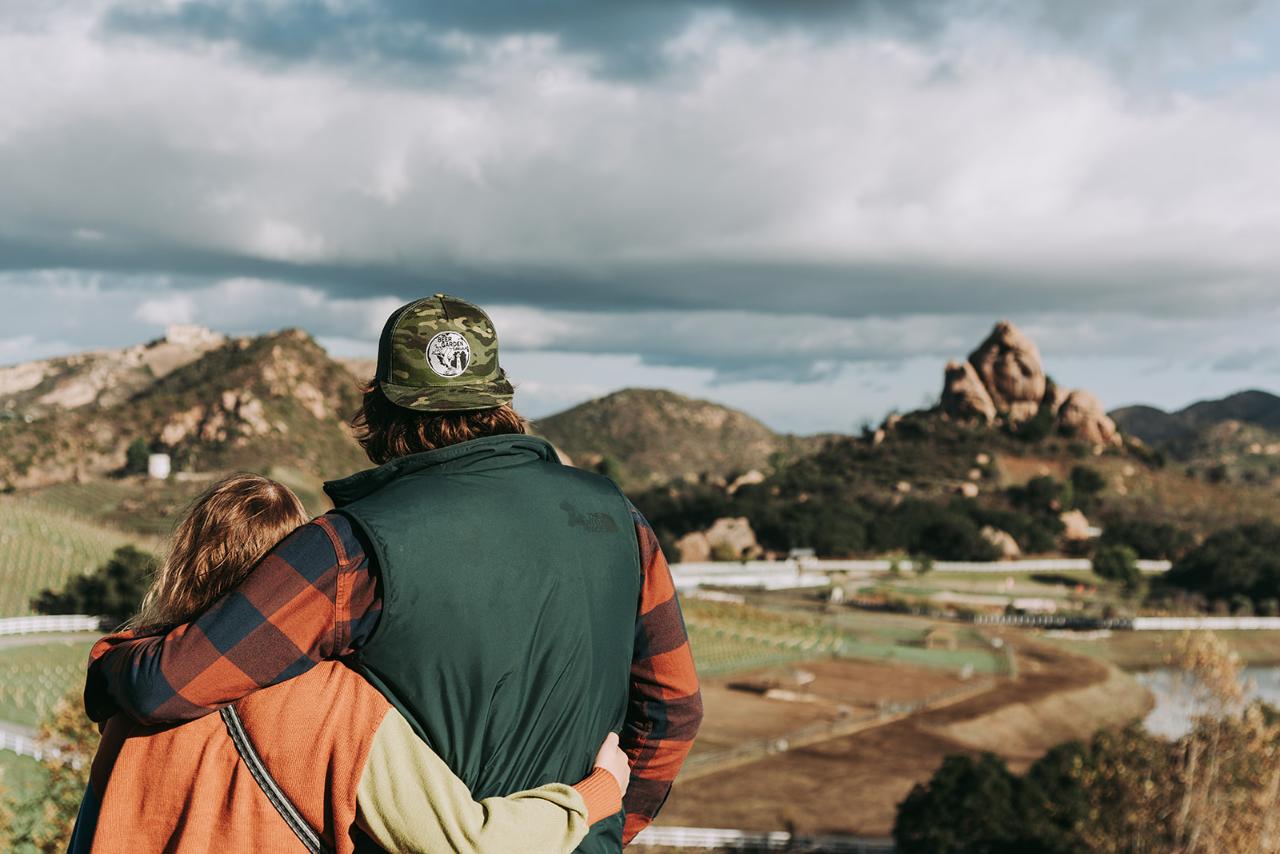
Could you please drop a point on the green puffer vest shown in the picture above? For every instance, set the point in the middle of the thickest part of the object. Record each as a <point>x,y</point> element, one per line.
<point>510,585</point>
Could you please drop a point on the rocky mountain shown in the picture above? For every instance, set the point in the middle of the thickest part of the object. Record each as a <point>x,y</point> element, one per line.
<point>34,389</point>
<point>1235,438</point>
<point>210,402</point>
<point>648,436</point>
<point>1004,382</point>
<point>1155,426</point>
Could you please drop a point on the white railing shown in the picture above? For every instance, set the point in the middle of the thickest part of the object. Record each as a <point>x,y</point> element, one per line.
<point>806,566</point>
<point>1213,624</point>
<point>57,623</point>
<point>711,837</point>
<point>20,745</point>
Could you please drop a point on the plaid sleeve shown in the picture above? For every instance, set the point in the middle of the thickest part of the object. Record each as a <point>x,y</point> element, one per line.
<point>313,597</point>
<point>665,707</point>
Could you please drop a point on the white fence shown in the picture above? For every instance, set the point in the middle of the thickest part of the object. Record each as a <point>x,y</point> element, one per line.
<point>811,572</point>
<point>745,840</point>
<point>58,623</point>
<point>1213,624</point>
<point>20,745</point>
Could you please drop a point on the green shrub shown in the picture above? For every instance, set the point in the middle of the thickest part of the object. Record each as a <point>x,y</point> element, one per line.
<point>1087,484</point>
<point>137,457</point>
<point>1244,560</point>
<point>968,805</point>
<point>114,591</point>
<point>1118,563</point>
<point>1041,495</point>
<point>1151,540</point>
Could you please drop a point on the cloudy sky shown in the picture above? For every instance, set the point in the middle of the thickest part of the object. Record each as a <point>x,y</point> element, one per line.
<point>800,208</point>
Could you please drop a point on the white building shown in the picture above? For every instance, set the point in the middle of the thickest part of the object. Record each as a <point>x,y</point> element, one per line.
<point>158,466</point>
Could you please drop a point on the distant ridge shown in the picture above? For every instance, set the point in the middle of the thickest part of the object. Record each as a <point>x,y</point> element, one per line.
<point>647,436</point>
<point>249,403</point>
<point>1156,426</point>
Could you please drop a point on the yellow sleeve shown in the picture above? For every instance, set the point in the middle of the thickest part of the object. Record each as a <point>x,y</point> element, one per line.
<point>409,801</point>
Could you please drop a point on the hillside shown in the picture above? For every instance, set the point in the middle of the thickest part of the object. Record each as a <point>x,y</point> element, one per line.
<point>99,379</point>
<point>1006,463</point>
<point>647,436</point>
<point>253,403</point>
<point>42,546</point>
<point>1232,440</point>
<point>1155,426</point>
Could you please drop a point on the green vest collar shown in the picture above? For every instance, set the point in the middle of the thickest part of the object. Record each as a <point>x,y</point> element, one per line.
<point>500,450</point>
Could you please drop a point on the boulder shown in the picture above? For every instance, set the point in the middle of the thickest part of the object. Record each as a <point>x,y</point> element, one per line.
<point>693,548</point>
<point>964,395</point>
<point>1008,364</point>
<point>1004,541</point>
<point>1076,525</point>
<point>733,536</point>
<point>968,490</point>
<point>1083,416</point>
<point>749,479</point>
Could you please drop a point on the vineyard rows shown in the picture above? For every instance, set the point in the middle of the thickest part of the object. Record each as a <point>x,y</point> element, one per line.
<point>34,678</point>
<point>42,547</point>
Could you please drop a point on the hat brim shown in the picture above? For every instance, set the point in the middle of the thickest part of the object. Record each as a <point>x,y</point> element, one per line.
<point>454,398</point>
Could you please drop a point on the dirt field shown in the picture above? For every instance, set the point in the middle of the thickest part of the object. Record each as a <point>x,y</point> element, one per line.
<point>733,716</point>
<point>853,784</point>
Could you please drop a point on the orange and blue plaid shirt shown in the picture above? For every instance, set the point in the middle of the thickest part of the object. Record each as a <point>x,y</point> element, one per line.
<point>317,597</point>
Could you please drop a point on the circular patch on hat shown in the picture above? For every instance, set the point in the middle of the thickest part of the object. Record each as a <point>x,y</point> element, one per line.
<point>448,354</point>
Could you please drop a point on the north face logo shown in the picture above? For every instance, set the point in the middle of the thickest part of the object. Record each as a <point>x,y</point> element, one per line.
<point>594,523</point>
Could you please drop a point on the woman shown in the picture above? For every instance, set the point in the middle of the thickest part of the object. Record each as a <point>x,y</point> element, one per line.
<point>337,750</point>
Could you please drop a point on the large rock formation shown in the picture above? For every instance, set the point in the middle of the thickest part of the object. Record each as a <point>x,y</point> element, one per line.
<point>1004,380</point>
<point>1083,416</point>
<point>1008,364</point>
<point>726,539</point>
<point>964,395</point>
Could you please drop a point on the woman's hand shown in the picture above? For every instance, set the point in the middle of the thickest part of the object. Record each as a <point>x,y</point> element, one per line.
<point>612,759</point>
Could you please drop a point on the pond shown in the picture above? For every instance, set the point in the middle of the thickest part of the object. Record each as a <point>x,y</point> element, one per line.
<point>1171,716</point>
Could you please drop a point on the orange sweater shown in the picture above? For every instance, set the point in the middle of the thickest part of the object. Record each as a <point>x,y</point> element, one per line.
<point>184,788</point>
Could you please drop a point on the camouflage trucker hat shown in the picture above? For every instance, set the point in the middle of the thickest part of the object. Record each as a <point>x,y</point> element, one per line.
<point>440,354</point>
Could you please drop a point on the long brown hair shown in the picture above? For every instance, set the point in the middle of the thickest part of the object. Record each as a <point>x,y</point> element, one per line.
<point>387,431</point>
<point>227,531</point>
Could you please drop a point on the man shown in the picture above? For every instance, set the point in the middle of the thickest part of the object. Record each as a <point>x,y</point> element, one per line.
<point>515,610</point>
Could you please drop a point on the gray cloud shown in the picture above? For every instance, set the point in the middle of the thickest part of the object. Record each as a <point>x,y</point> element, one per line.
<point>821,184</point>
<point>627,37</point>
<point>619,37</point>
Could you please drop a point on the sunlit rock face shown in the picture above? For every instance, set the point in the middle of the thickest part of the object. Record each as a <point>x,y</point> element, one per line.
<point>1083,416</point>
<point>1008,364</point>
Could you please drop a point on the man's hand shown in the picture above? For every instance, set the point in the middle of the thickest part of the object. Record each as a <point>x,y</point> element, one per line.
<point>612,759</point>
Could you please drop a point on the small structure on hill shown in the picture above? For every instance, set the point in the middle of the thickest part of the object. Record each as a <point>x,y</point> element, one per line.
<point>159,466</point>
<point>940,637</point>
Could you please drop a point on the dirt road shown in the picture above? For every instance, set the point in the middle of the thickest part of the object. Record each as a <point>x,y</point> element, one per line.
<point>853,784</point>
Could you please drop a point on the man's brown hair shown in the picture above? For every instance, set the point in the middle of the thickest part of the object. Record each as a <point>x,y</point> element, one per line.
<point>227,531</point>
<point>387,431</point>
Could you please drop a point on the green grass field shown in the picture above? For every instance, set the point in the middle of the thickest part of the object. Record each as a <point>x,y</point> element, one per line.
<point>146,509</point>
<point>17,774</point>
<point>34,678</point>
<point>41,546</point>
<point>729,638</point>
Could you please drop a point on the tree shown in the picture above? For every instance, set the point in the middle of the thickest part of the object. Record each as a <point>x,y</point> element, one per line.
<point>1242,560</point>
<point>1041,495</point>
<point>1118,563</point>
<point>1087,484</point>
<point>1124,791</point>
<point>114,590</point>
<point>41,819</point>
<point>1151,540</point>
<point>968,806</point>
<point>137,457</point>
